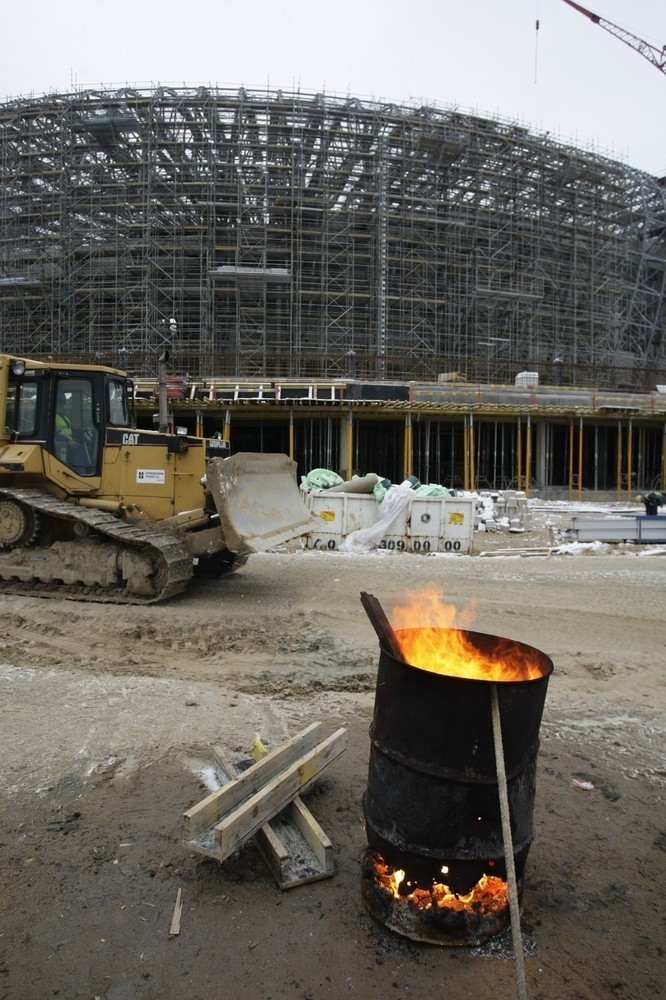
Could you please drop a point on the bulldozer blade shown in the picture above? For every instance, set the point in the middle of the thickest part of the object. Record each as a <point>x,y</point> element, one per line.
<point>258,500</point>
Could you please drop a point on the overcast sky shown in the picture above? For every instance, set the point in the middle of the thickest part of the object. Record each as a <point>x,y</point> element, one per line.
<point>570,78</point>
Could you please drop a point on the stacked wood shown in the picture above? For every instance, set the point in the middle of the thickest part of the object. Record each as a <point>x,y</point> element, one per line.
<point>262,802</point>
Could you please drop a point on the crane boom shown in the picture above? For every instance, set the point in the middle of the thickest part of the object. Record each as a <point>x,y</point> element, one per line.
<point>654,55</point>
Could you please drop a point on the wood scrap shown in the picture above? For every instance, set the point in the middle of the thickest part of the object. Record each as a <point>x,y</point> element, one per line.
<point>302,819</point>
<point>293,844</point>
<point>249,816</point>
<point>273,849</point>
<point>522,552</point>
<point>177,913</point>
<point>210,809</point>
<point>381,624</point>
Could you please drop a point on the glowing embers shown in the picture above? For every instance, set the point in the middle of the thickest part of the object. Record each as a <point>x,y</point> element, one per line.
<point>489,895</point>
<point>435,915</point>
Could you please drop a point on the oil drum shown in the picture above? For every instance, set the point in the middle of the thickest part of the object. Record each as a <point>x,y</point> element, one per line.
<point>432,800</point>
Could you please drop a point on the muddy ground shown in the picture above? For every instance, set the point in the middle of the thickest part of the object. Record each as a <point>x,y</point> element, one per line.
<point>108,719</point>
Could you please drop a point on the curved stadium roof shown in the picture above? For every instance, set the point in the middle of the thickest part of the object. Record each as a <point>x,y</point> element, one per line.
<point>273,233</point>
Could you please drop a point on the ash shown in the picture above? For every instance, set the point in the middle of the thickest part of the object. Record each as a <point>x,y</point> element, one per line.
<point>501,946</point>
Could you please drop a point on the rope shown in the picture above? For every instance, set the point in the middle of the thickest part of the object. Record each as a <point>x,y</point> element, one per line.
<point>508,847</point>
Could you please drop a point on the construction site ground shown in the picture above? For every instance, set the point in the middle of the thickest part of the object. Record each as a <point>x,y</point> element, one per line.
<point>109,715</point>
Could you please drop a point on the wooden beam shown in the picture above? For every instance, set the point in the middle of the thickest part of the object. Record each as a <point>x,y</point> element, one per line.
<point>231,795</point>
<point>293,844</point>
<point>274,850</point>
<point>313,834</point>
<point>243,821</point>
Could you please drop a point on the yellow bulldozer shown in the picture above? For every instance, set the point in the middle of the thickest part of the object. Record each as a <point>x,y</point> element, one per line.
<point>94,508</point>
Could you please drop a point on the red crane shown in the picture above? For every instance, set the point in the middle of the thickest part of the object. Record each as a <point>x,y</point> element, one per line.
<point>654,55</point>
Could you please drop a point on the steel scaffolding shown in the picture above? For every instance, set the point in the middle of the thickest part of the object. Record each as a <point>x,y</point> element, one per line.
<point>272,234</point>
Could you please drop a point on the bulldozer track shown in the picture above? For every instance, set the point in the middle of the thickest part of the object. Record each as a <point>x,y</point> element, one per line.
<point>171,556</point>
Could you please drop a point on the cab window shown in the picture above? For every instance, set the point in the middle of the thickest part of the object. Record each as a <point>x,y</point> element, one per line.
<point>75,433</point>
<point>119,414</point>
<point>22,407</point>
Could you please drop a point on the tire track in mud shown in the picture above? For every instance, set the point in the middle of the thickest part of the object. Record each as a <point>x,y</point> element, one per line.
<point>273,643</point>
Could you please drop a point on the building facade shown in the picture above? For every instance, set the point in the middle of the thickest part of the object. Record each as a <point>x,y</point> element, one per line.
<point>284,236</point>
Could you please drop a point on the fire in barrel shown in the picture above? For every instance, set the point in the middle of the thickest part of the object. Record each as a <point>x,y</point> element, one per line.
<point>435,867</point>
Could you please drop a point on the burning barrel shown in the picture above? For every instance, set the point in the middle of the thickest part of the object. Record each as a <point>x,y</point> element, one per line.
<point>435,867</point>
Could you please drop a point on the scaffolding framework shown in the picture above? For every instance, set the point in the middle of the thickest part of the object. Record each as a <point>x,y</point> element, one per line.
<point>272,234</point>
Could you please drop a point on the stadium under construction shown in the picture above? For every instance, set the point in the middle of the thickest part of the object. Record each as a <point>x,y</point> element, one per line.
<point>367,286</point>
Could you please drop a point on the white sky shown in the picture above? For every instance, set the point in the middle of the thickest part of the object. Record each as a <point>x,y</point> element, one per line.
<point>571,78</point>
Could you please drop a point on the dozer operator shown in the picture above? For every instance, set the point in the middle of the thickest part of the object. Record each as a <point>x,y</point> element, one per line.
<point>94,508</point>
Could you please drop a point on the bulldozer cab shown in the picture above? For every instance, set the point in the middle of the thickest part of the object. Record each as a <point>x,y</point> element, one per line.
<point>65,410</point>
<point>76,436</point>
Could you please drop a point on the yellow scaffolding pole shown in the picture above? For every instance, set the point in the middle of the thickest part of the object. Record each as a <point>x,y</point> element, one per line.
<point>407,447</point>
<point>349,442</point>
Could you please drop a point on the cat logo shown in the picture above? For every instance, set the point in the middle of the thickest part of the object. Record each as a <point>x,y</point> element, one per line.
<point>130,438</point>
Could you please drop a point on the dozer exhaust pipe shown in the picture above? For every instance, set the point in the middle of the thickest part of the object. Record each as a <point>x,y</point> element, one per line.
<point>163,402</point>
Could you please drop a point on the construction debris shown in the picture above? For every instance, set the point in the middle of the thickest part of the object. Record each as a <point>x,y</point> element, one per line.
<point>174,929</point>
<point>263,802</point>
<point>535,550</point>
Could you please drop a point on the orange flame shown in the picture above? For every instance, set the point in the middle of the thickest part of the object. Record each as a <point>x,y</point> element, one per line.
<point>489,895</point>
<point>431,636</point>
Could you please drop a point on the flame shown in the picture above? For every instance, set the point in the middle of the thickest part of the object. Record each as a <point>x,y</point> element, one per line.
<point>433,639</point>
<point>489,895</point>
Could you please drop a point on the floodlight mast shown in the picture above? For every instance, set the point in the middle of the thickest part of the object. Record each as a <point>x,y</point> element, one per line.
<point>654,55</point>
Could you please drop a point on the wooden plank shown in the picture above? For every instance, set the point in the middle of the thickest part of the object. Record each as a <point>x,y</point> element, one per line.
<point>381,624</point>
<point>177,914</point>
<point>242,822</point>
<point>299,867</point>
<point>293,845</point>
<point>235,792</point>
<point>313,834</point>
<point>303,865</point>
<point>296,818</point>
<point>269,843</point>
